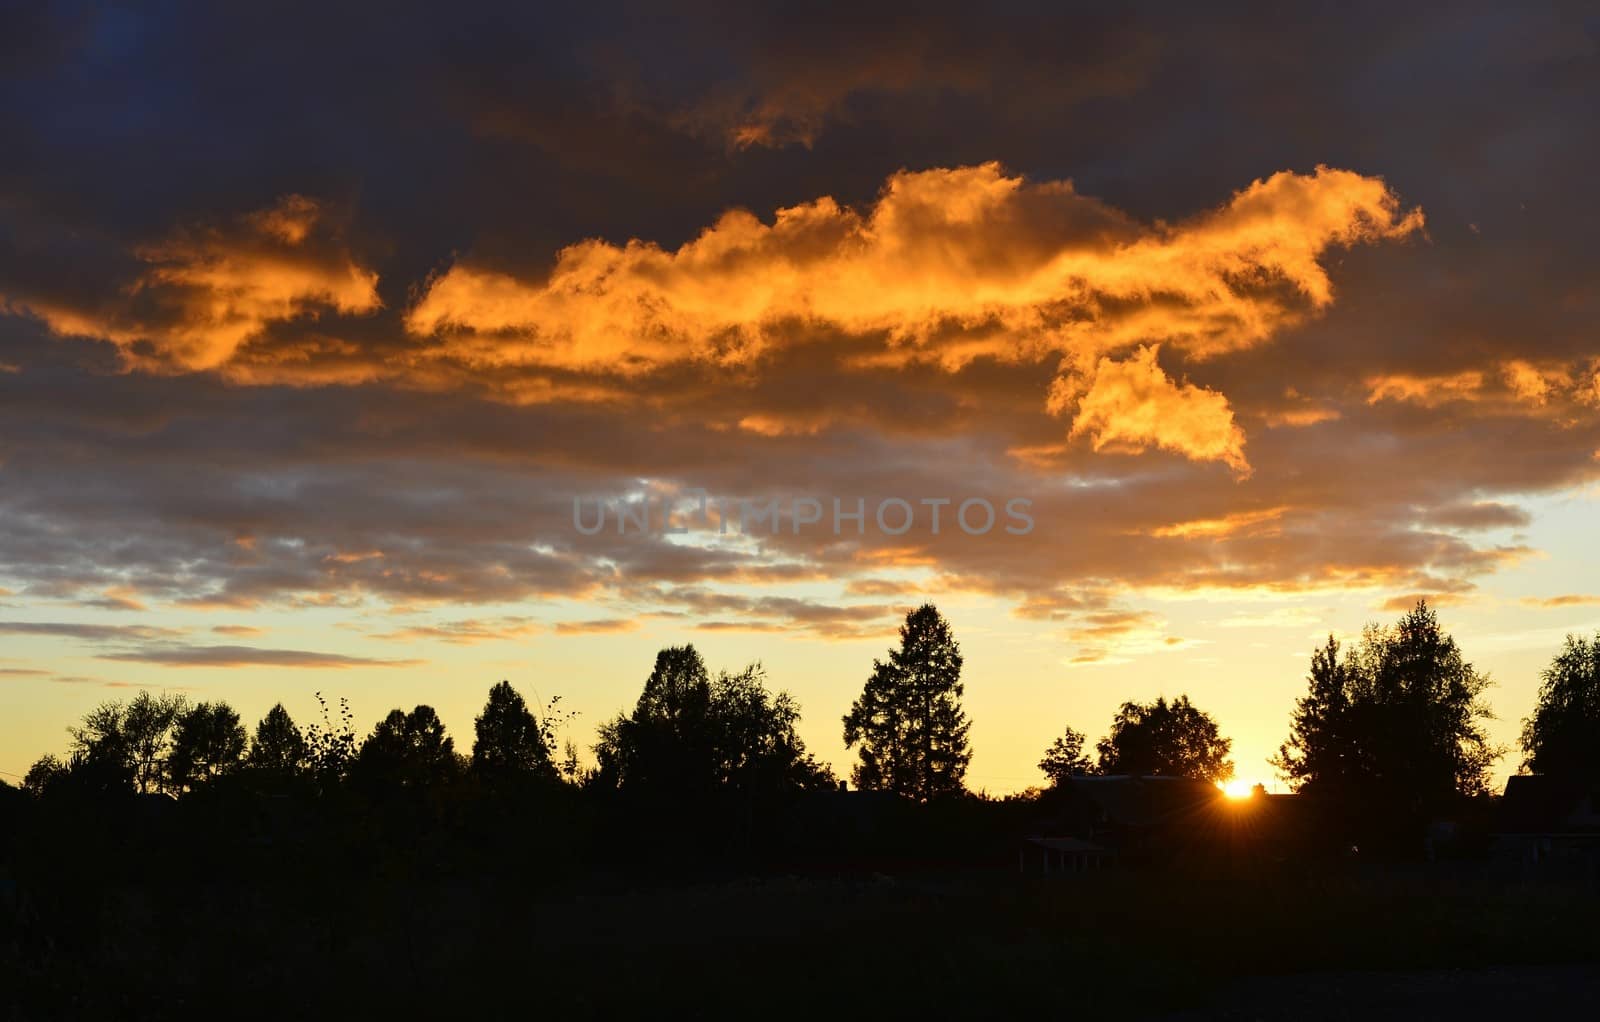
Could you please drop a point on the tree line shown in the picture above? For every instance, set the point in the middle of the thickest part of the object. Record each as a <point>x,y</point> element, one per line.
<point>1390,728</point>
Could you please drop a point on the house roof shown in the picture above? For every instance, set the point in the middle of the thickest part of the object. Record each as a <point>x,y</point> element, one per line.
<point>1149,799</point>
<point>1544,804</point>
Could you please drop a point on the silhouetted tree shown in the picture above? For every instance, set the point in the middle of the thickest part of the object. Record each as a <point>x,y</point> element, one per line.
<point>207,741</point>
<point>100,736</point>
<point>694,735</point>
<point>136,734</point>
<point>569,766</point>
<point>678,690</point>
<point>758,749</point>
<point>1177,739</point>
<point>908,720</point>
<point>46,771</point>
<point>407,750</point>
<point>82,774</point>
<point>880,720</point>
<point>148,724</point>
<point>666,743</point>
<point>331,747</point>
<point>278,746</point>
<point>1321,755</point>
<point>1065,758</point>
<point>510,741</point>
<point>1563,734</point>
<point>1392,731</point>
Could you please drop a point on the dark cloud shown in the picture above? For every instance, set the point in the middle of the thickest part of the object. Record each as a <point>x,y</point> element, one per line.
<point>238,631</point>
<point>467,632</point>
<point>245,656</point>
<point>87,632</point>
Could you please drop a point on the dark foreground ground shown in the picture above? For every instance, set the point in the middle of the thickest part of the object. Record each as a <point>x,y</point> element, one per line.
<point>1517,992</point>
<point>1443,941</point>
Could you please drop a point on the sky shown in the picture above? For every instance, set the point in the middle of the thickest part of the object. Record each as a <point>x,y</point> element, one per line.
<point>337,342</point>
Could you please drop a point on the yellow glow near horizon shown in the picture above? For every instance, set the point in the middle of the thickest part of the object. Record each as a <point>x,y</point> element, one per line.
<point>1238,787</point>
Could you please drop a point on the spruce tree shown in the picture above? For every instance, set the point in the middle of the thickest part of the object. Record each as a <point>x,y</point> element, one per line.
<point>908,722</point>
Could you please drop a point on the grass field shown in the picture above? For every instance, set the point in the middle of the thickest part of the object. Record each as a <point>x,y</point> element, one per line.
<point>935,943</point>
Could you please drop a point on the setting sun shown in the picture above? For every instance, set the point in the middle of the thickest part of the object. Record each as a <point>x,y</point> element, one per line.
<point>1238,787</point>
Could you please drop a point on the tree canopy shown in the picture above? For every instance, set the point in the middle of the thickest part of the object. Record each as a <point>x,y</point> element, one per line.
<point>1065,758</point>
<point>1177,739</point>
<point>207,741</point>
<point>278,744</point>
<point>132,736</point>
<point>407,750</point>
<point>1563,734</point>
<point>1395,726</point>
<point>46,771</point>
<point>511,742</point>
<point>697,735</point>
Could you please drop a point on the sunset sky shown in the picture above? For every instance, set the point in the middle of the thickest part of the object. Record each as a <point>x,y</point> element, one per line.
<point>315,320</point>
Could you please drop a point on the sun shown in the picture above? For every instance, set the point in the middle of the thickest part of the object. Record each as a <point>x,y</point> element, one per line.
<point>1238,787</point>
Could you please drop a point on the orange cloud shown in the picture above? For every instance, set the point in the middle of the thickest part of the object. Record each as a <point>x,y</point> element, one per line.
<point>947,265</point>
<point>1134,405</point>
<point>1227,525</point>
<point>1115,636</point>
<point>1298,411</point>
<point>1427,391</point>
<point>603,626</point>
<point>1401,604</point>
<point>206,292</point>
<point>239,631</point>
<point>115,598</point>
<point>1589,391</point>
<point>944,268</point>
<point>1302,417</point>
<point>775,425</point>
<point>881,587</point>
<point>1515,386</point>
<point>1568,600</point>
<point>1526,381</point>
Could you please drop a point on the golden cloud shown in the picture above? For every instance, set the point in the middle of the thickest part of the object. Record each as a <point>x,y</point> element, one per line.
<point>1427,391</point>
<point>206,292</point>
<point>1297,411</point>
<point>947,265</point>
<point>1134,405</point>
<point>1589,391</point>
<point>1566,600</point>
<point>1527,381</point>
<point>602,626</point>
<point>1115,636</point>
<point>1513,386</point>
<point>1226,525</point>
<point>1407,601</point>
